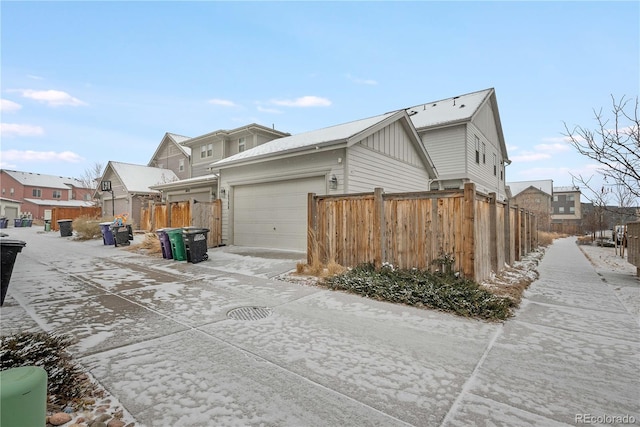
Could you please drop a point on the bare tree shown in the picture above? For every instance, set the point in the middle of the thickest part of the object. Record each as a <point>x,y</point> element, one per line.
<point>91,175</point>
<point>616,146</point>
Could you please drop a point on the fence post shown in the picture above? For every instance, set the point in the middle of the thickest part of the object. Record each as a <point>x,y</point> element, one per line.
<point>152,215</point>
<point>312,228</point>
<point>379,229</point>
<point>507,233</point>
<point>468,229</point>
<point>493,231</point>
<point>517,235</point>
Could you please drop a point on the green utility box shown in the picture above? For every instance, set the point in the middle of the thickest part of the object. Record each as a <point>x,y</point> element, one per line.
<point>23,396</point>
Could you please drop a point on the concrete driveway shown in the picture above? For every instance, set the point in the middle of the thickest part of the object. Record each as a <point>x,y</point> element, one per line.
<point>223,343</point>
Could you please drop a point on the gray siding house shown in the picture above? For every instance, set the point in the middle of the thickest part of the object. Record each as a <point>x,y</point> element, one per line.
<point>463,136</point>
<point>202,184</point>
<point>264,189</point>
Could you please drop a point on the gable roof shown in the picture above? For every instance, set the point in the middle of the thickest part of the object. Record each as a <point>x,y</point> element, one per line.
<point>176,140</point>
<point>459,108</point>
<point>307,140</point>
<point>46,181</point>
<point>139,178</point>
<point>345,134</point>
<point>544,185</point>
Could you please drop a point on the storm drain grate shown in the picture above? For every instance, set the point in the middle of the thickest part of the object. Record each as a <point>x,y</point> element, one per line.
<point>249,313</point>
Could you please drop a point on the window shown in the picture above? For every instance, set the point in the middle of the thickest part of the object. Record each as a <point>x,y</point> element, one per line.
<point>57,194</point>
<point>12,191</point>
<point>87,196</point>
<point>484,153</point>
<point>206,151</point>
<point>570,198</point>
<point>572,209</point>
<point>555,198</point>
<point>181,165</point>
<point>36,192</point>
<point>561,209</point>
<point>242,143</point>
<point>477,149</point>
<point>495,165</point>
<point>3,191</point>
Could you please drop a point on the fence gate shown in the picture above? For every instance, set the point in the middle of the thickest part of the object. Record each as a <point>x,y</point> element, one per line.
<point>208,215</point>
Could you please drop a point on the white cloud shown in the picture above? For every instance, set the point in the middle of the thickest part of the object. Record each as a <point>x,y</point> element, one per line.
<point>304,101</point>
<point>269,110</point>
<point>9,106</point>
<point>34,77</point>
<point>553,148</point>
<point>40,156</point>
<point>53,98</point>
<point>530,157</point>
<point>222,102</point>
<point>15,129</point>
<point>360,81</point>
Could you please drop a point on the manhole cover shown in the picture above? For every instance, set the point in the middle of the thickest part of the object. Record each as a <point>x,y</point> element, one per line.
<point>249,313</point>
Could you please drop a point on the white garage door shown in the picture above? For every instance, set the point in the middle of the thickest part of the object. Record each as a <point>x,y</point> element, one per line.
<point>274,214</point>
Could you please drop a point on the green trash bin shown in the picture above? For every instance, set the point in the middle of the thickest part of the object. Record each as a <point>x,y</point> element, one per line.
<point>177,244</point>
<point>23,396</point>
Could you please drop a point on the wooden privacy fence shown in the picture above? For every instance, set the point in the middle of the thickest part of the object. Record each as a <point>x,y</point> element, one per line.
<point>73,213</point>
<point>193,213</point>
<point>414,230</point>
<point>633,245</point>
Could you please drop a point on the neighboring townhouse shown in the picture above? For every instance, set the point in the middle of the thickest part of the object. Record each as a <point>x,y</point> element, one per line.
<point>265,189</point>
<point>10,209</point>
<point>463,135</point>
<point>131,188</point>
<point>566,216</point>
<point>205,149</point>
<point>534,196</point>
<point>172,155</point>
<point>40,192</point>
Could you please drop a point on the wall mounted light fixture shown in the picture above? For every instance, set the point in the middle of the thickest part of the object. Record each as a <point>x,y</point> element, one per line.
<point>333,182</point>
<point>223,192</point>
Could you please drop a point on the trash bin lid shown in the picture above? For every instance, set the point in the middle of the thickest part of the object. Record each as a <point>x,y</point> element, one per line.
<point>12,242</point>
<point>64,220</point>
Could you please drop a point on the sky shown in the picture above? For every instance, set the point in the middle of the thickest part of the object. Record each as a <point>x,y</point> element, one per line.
<point>86,82</point>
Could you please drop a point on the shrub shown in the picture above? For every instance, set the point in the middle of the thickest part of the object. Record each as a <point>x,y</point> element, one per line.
<point>422,288</point>
<point>65,383</point>
<point>88,228</point>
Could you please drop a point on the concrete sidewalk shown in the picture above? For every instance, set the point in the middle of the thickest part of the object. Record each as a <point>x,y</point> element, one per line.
<point>159,336</point>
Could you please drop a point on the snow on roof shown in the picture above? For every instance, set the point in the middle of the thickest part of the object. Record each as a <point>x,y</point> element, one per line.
<point>338,133</point>
<point>544,185</point>
<point>138,178</point>
<point>61,203</point>
<point>203,179</point>
<point>565,189</point>
<point>179,139</point>
<point>46,181</point>
<point>448,110</point>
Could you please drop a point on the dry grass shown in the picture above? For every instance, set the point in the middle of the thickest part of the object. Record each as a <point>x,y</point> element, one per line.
<point>88,228</point>
<point>545,238</point>
<point>512,281</point>
<point>318,269</point>
<point>149,246</point>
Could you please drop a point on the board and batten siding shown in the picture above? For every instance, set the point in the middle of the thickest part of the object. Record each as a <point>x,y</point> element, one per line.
<point>324,164</point>
<point>446,149</point>
<point>169,157</point>
<point>369,169</point>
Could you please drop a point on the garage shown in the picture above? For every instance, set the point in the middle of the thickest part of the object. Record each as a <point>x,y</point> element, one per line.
<point>274,214</point>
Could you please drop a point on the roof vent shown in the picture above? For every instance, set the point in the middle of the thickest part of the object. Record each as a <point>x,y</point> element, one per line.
<point>434,105</point>
<point>461,105</point>
<point>412,113</point>
<point>454,100</point>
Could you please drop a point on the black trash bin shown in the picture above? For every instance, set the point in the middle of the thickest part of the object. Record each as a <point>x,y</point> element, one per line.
<point>10,249</point>
<point>66,228</point>
<point>195,244</point>
<point>120,235</point>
